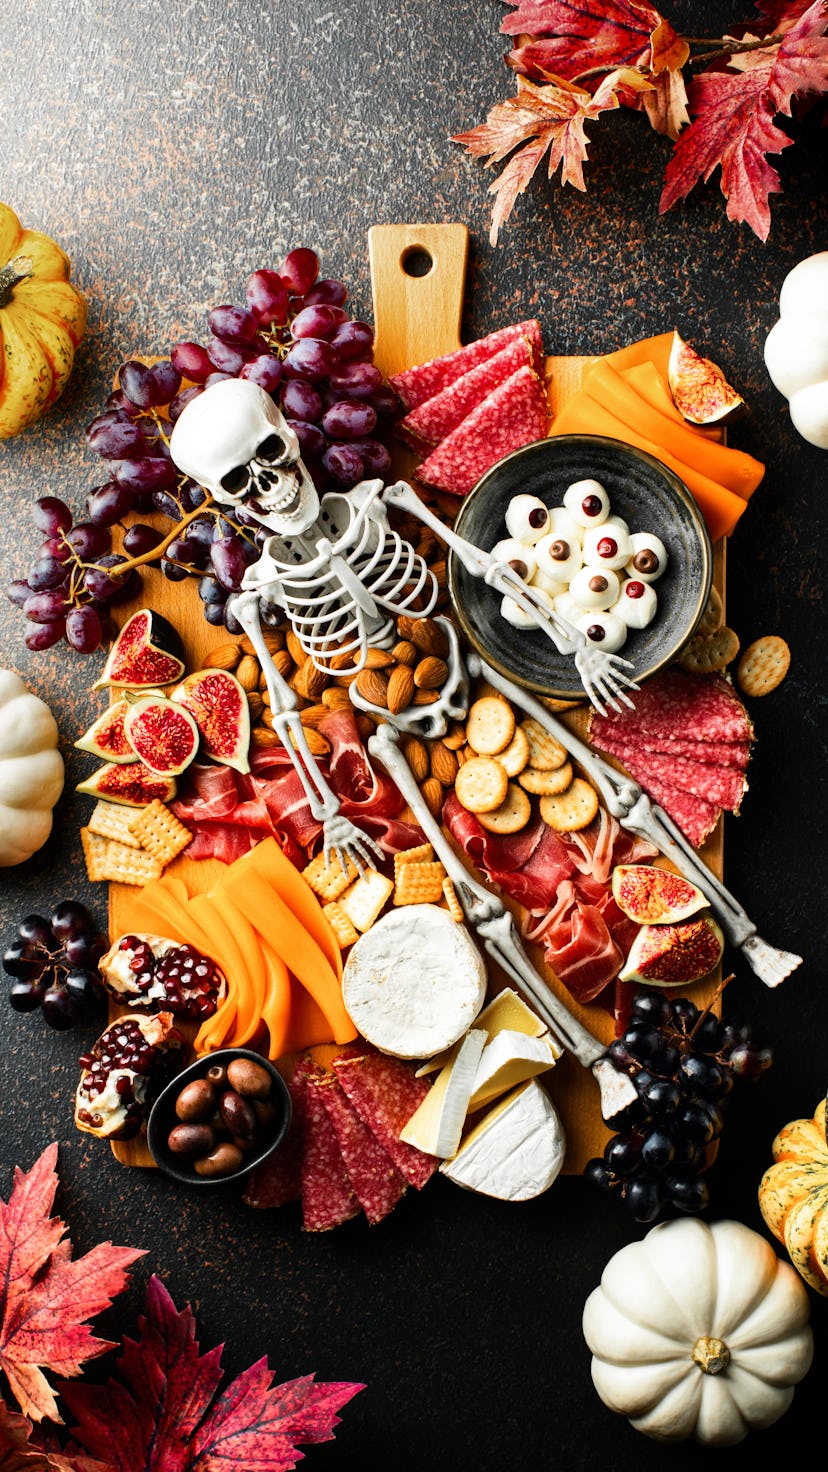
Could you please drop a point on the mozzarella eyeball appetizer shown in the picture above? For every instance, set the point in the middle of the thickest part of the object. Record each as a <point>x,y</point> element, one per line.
<point>566,606</point>
<point>607,547</point>
<point>587,502</point>
<point>558,558</point>
<point>563,524</point>
<point>520,558</point>
<point>527,519</point>
<point>515,615</point>
<point>636,605</point>
<point>596,588</point>
<point>604,630</point>
<point>548,583</point>
<point>649,557</point>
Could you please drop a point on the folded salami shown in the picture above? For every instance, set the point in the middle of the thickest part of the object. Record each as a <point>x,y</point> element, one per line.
<point>417,384</point>
<point>377,1183</point>
<point>719,753</point>
<point>439,415</point>
<point>512,415</point>
<point>723,786</point>
<point>385,1093</point>
<point>678,704</point>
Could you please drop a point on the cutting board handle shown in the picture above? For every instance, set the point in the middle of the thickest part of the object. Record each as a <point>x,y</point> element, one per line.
<point>418,276</point>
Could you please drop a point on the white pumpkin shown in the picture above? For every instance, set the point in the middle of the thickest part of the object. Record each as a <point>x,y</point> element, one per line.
<point>698,1331</point>
<point>796,348</point>
<point>31,770</point>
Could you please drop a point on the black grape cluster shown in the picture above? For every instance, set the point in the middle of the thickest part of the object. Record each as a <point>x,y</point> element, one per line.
<point>683,1063</point>
<point>54,965</point>
<point>293,338</point>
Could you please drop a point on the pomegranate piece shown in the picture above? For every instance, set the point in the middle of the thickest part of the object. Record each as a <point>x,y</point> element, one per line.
<point>150,970</point>
<point>124,1072</point>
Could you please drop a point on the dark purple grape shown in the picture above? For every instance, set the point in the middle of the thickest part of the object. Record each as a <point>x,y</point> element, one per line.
<point>60,1010</point>
<point>658,1149</point>
<point>620,1056</point>
<point>108,504</point>
<point>300,270</point>
<point>46,608</point>
<point>374,456</point>
<point>45,573</point>
<point>83,630</point>
<point>140,539</point>
<point>18,591</point>
<point>314,321</point>
<point>328,292</point>
<point>167,503</point>
<point>708,1034</point>
<point>84,987</point>
<point>352,340</point>
<point>233,325</point>
<point>684,1014</point>
<point>183,399</point>
<point>643,1197</point>
<point>311,439</point>
<point>203,531</point>
<point>173,571</point>
<point>312,358</point>
<point>356,380</point>
<point>688,1155</point>
<point>116,439</point>
<point>344,464</point>
<point>44,635</point>
<point>651,1007</point>
<point>265,370</point>
<point>88,541</point>
<point>643,1040</point>
<point>85,950</point>
<point>189,550</point>
<point>150,474</point>
<point>348,419</point>
<point>385,402</point>
<point>694,1120</point>
<point>686,1191</point>
<point>210,590</point>
<point>36,930</point>
<point>25,996</point>
<point>597,1174</point>
<point>663,1096</point>
<point>191,495</point>
<point>192,361</point>
<point>70,919</point>
<point>51,515</point>
<point>736,1030</point>
<point>622,1154</point>
<point>167,379</point>
<point>23,960</point>
<point>103,583</point>
<point>228,357</point>
<point>665,1060</point>
<point>267,298</point>
<point>214,614</point>
<point>300,400</point>
<point>231,623</point>
<point>700,1073</point>
<point>229,562</point>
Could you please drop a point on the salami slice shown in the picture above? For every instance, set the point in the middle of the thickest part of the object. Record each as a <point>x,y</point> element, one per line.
<point>676,703</point>
<point>718,753</point>
<point>376,1181</point>
<point>385,1093</point>
<point>513,414</point>
<point>279,1178</point>
<point>438,416</point>
<point>417,384</point>
<point>693,815</point>
<point>721,785</point>
<point>328,1196</point>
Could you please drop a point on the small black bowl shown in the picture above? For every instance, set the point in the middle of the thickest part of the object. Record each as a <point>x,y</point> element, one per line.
<point>645,493</point>
<point>163,1117</point>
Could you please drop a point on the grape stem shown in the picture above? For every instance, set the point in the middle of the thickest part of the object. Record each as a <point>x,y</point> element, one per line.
<point>14,271</point>
<point>715,997</point>
<point>155,552</point>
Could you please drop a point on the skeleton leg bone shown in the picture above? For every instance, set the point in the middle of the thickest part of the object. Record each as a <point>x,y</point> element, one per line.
<point>339,835</point>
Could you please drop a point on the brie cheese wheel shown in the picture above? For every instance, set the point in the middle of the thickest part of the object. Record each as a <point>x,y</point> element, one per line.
<point>509,1059</point>
<point>506,1010</point>
<point>414,982</point>
<point>437,1125</point>
<point>517,1149</point>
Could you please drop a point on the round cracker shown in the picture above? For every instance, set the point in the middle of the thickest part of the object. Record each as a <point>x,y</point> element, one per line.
<point>546,784</point>
<point>512,815</point>
<point>515,756</point>
<point>490,725</point>
<point>706,653</point>
<point>572,809</point>
<point>545,753</point>
<point>713,616</point>
<point>763,665</point>
<point>481,784</point>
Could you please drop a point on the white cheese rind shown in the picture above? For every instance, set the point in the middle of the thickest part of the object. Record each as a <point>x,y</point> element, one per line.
<point>516,1151</point>
<point>506,1010</point>
<point>510,1058</point>
<point>414,983</point>
<point>436,1127</point>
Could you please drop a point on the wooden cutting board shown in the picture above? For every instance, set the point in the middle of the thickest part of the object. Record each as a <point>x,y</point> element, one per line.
<point>418,275</point>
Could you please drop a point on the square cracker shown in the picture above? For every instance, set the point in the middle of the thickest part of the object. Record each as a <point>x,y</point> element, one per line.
<point>365,899</point>
<point>159,831</point>
<point>329,881</point>
<point>113,820</point>
<point>419,884</point>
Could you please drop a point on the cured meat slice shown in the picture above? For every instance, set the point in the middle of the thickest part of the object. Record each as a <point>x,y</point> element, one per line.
<point>512,415</point>
<point>529,866</point>
<point>328,1196</point>
<point>693,815</point>
<point>278,1179</point>
<point>675,703</point>
<point>721,785</point>
<point>385,1093</point>
<point>718,753</point>
<point>425,380</point>
<point>375,1179</point>
<point>438,416</point>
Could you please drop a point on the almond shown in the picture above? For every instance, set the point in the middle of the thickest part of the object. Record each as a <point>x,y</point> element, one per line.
<point>247,672</point>
<point>261,736</point>
<point>425,697</point>
<point>415,752</point>
<point>344,660</point>
<point>430,637</point>
<point>365,726</point>
<point>274,639</point>
<point>373,687</point>
<point>432,791</point>
<point>405,653</point>
<point>400,691</point>
<point>294,648</point>
<point>314,680</point>
<point>430,673</point>
<point>455,736</point>
<point>378,659</point>
<point>313,714</point>
<point>223,657</point>
<point>283,662</point>
<point>444,764</point>
<point>439,571</point>
<point>406,625</point>
<point>318,745</point>
<point>334,698</point>
<point>255,704</point>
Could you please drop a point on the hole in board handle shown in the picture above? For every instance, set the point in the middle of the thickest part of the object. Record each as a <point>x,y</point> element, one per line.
<point>416,261</point>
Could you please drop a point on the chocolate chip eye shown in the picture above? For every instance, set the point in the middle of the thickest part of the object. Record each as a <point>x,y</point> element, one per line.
<point>235,480</point>
<point>645,561</point>
<point>596,632</point>
<point>559,551</point>
<point>598,584</point>
<point>273,450</point>
<point>538,517</point>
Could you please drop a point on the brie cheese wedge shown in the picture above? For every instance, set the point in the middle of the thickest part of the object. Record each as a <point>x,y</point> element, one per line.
<point>515,1151</point>
<point>506,1010</point>
<point>437,1125</point>
<point>511,1058</point>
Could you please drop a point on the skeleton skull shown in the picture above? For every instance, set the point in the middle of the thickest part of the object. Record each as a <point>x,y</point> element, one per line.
<point>235,442</point>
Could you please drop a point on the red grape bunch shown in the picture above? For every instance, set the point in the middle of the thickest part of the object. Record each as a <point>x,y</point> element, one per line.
<point>54,965</point>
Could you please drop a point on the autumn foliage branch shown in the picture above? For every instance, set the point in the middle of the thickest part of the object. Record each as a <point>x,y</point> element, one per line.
<point>716,99</point>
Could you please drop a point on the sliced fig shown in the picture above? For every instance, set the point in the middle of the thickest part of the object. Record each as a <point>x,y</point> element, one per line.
<point>654,896</point>
<point>162,734</point>
<point>130,783</point>
<point>674,955</point>
<point>124,1072</point>
<point>218,703</point>
<point>149,970</point>
<point>147,651</point>
<point>106,737</point>
<point>699,388</point>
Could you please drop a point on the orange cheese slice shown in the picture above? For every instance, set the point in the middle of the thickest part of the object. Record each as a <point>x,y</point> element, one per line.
<point>275,867</point>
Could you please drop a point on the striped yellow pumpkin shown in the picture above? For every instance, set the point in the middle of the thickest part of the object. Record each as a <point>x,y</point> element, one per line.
<point>793,1196</point>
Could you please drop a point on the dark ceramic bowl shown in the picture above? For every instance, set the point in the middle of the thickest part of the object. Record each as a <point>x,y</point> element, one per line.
<point>646,494</point>
<point>163,1117</point>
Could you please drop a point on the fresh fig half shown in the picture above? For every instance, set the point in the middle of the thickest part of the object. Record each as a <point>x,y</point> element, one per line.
<point>218,703</point>
<point>654,896</point>
<point>674,955</point>
<point>699,388</point>
<point>130,783</point>
<point>147,652</point>
<point>106,737</point>
<point>161,733</point>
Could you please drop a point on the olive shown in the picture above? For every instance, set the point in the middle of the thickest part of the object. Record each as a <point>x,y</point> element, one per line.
<point>265,1111</point>
<point>217,1075</point>
<point>196,1100</point>
<point>191,1139</point>
<point>249,1078</point>
<point>237,1114</point>
<point>222,1161</point>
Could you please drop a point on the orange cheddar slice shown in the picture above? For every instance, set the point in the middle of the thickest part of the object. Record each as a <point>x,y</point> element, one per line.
<point>308,1026</point>
<point>277,1001</point>
<point>647,350</point>
<point>215,1029</point>
<point>648,382</point>
<point>274,866</point>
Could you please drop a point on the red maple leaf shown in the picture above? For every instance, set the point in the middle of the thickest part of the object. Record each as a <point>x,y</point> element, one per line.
<point>733,117</point>
<point>19,1453</point>
<point>45,1296</point>
<point>163,1413</point>
<point>570,37</point>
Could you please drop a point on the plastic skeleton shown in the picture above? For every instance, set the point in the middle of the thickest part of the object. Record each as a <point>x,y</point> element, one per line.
<point>335,566</point>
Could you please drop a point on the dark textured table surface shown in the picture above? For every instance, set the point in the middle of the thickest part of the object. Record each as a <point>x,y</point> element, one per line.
<point>172,150</point>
